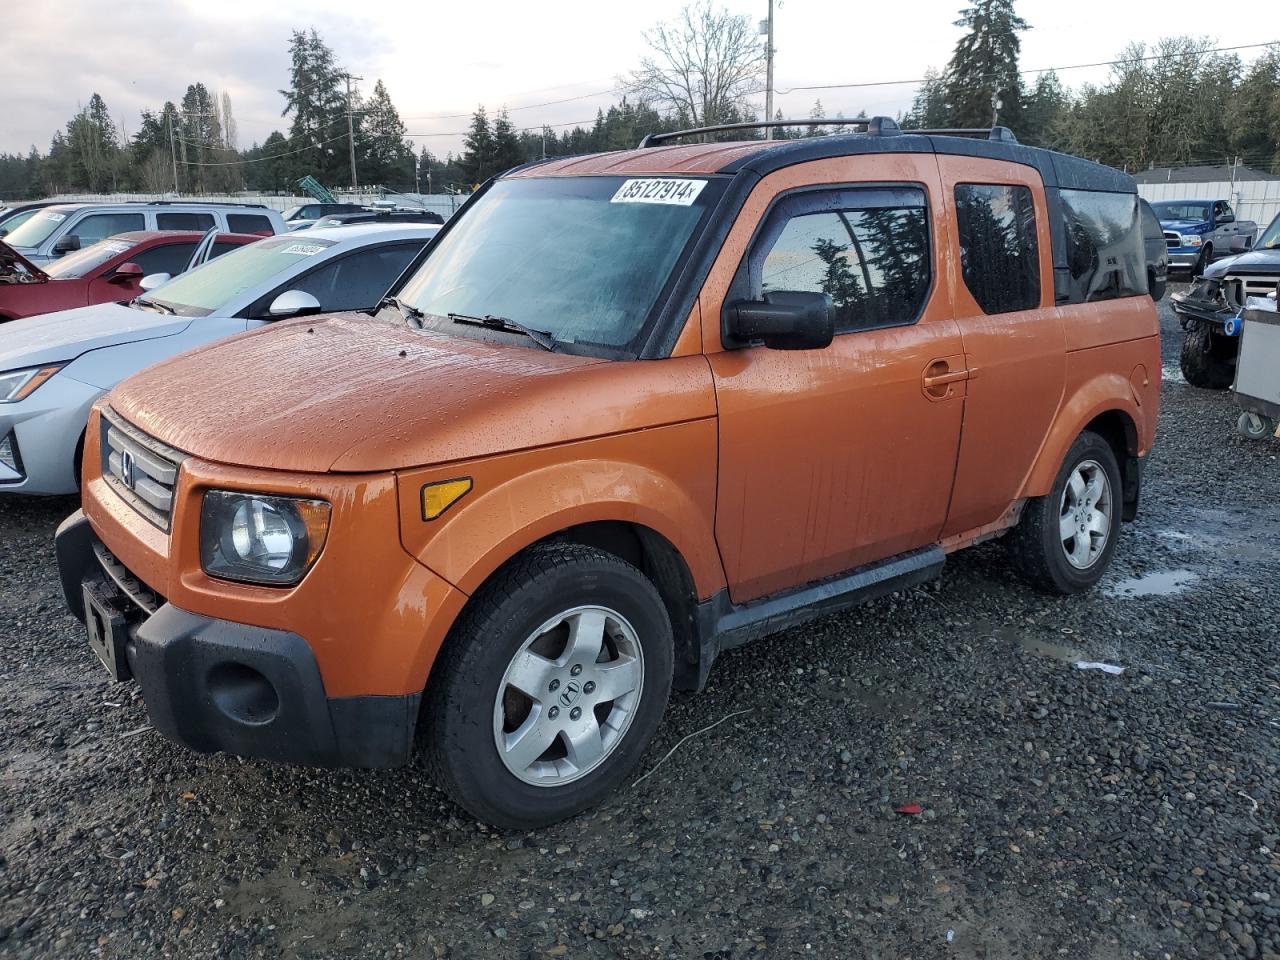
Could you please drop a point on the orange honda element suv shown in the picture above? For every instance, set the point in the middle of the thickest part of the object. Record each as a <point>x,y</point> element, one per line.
<point>627,411</point>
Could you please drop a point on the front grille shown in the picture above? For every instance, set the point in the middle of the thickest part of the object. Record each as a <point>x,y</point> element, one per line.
<point>1237,289</point>
<point>140,469</point>
<point>1172,240</point>
<point>142,597</point>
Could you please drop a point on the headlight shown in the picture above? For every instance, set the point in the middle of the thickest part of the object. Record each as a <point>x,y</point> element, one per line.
<point>19,384</point>
<point>260,539</point>
<point>1192,240</point>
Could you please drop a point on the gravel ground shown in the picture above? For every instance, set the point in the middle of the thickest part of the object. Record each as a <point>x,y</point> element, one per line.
<point>1065,813</point>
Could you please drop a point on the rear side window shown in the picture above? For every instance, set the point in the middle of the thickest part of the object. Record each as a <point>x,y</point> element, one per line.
<point>249,223</point>
<point>1151,228</point>
<point>867,249</point>
<point>999,252</point>
<point>170,258</point>
<point>99,226</point>
<point>1105,255</point>
<point>222,247</point>
<point>184,221</point>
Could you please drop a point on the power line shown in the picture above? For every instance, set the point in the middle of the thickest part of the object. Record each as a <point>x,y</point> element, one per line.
<point>527,106</point>
<point>1073,66</point>
<point>277,156</point>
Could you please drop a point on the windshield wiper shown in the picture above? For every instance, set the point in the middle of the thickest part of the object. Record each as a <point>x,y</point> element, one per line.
<point>412,314</point>
<point>155,305</point>
<point>542,338</point>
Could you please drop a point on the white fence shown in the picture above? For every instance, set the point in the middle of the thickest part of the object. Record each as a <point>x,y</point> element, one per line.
<point>443,203</point>
<point>1257,200</point>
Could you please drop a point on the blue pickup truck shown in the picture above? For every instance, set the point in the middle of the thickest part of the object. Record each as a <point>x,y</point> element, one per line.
<point>1197,232</point>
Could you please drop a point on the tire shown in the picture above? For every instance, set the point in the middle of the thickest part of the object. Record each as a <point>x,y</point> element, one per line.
<point>1202,261</point>
<point>518,629</point>
<point>1041,552</point>
<point>1202,362</point>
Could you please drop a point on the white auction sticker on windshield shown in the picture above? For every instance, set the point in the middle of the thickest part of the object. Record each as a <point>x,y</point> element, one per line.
<point>303,249</point>
<point>659,190</point>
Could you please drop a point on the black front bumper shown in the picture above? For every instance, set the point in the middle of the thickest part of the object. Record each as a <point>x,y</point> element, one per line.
<point>213,685</point>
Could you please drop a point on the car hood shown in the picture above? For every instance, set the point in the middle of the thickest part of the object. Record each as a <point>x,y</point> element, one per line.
<point>15,267</point>
<point>1265,262</point>
<point>353,393</point>
<point>66,334</point>
<point>1182,226</point>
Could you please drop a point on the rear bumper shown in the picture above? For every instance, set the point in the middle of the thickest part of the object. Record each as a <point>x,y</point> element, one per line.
<point>213,685</point>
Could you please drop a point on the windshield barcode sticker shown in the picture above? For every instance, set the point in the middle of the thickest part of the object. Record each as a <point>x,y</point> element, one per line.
<point>302,249</point>
<point>659,190</point>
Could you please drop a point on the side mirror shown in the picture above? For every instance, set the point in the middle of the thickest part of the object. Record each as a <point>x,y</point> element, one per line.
<point>126,273</point>
<point>1227,218</point>
<point>293,303</point>
<point>153,280</point>
<point>66,244</point>
<point>783,320</point>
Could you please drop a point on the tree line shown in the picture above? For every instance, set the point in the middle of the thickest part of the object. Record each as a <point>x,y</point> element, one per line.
<point>1178,101</point>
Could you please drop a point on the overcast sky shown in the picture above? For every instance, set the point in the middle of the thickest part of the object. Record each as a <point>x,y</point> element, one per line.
<point>520,55</point>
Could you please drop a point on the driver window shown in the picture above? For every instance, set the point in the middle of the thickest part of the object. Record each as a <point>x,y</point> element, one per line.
<point>357,281</point>
<point>869,250</point>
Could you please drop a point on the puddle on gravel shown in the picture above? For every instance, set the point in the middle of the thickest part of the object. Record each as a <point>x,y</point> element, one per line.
<point>1042,648</point>
<point>1164,583</point>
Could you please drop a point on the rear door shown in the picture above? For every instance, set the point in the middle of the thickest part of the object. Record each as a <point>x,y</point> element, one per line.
<point>1001,270</point>
<point>833,458</point>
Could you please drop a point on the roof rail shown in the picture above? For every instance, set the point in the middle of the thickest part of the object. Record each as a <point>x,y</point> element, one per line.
<point>1003,134</point>
<point>873,126</point>
<point>180,203</point>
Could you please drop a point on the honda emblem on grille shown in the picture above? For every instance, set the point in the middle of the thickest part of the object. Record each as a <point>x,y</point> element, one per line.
<point>126,468</point>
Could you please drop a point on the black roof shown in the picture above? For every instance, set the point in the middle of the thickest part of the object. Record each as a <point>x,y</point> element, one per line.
<point>1056,169</point>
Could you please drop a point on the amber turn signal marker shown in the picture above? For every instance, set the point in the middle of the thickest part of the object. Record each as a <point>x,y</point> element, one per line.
<point>439,497</point>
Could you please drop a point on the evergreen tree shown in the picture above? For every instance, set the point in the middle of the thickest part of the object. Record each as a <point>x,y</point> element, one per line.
<point>477,161</point>
<point>317,101</point>
<point>506,145</point>
<point>984,66</point>
<point>387,157</point>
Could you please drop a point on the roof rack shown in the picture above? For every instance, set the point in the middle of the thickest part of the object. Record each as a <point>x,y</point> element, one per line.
<point>1003,134</point>
<point>873,126</point>
<point>179,203</point>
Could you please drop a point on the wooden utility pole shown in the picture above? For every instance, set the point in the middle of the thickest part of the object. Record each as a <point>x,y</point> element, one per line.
<point>351,132</point>
<point>768,71</point>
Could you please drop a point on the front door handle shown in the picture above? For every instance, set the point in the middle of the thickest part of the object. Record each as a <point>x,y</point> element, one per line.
<point>939,377</point>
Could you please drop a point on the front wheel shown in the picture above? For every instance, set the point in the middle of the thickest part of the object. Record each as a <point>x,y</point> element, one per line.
<point>549,687</point>
<point>1065,539</point>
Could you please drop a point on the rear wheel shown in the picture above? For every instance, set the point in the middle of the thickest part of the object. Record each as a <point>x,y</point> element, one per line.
<point>1205,359</point>
<point>550,686</point>
<point>1065,540</point>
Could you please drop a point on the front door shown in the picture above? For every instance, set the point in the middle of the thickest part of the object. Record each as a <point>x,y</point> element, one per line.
<point>833,458</point>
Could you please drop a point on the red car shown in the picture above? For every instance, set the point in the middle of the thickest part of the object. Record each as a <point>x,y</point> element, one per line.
<point>110,269</point>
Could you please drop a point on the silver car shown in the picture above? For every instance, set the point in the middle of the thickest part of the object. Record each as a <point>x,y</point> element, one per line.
<point>54,366</point>
<point>61,228</point>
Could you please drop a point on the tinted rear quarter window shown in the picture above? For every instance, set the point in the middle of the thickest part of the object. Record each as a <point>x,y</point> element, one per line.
<point>184,221</point>
<point>999,251</point>
<point>99,226</point>
<point>1105,254</point>
<point>248,223</point>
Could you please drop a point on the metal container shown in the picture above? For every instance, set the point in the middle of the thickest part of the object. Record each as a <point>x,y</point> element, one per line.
<point>1257,385</point>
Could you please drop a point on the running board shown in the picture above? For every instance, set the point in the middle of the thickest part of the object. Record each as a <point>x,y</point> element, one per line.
<point>723,624</point>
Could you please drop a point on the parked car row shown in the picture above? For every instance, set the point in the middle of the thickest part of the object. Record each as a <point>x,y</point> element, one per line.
<point>309,215</point>
<point>58,364</point>
<point>623,413</point>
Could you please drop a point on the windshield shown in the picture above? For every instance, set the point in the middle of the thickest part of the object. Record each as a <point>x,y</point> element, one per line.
<point>1181,210</point>
<point>76,265</point>
<point>1270,239</point>
<point>585,259</point>
<point>36,230</point>
<point>209,287</point>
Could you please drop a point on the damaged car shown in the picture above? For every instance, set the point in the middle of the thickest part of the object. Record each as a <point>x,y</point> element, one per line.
<point>1210,310</point>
